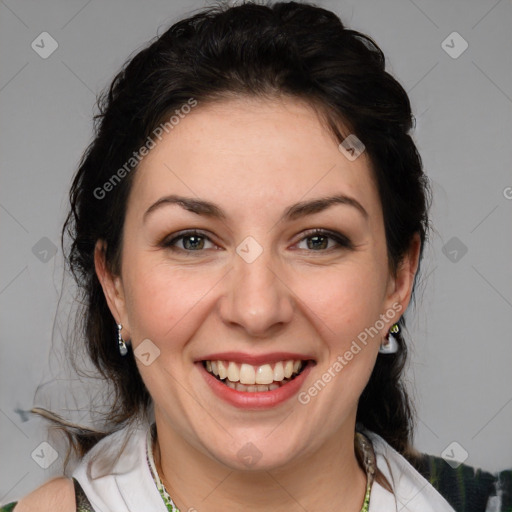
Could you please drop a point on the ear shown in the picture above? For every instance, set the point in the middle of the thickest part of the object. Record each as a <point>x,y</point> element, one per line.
<point>400,285</point>
<point>112,287</point>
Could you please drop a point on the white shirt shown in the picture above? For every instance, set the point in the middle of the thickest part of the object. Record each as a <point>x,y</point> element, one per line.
<point>412,492</point>
<point>118,479</point>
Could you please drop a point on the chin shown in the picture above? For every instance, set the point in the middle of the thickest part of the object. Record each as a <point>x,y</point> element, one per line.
<point>260,454</point>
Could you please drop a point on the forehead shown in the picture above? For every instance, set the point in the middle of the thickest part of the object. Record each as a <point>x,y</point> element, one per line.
<point>249,151</point>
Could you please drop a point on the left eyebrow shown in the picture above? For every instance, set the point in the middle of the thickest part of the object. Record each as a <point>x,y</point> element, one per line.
<point>317,205</point>
<point>296,211</point>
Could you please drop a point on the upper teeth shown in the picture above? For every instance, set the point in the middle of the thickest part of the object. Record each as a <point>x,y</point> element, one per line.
<point>248,374</point>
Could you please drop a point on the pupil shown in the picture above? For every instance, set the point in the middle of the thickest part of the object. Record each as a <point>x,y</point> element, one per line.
<point>315,240</point>
<point>193,242</point>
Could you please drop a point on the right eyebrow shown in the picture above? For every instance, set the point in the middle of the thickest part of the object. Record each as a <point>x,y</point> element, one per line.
<point>198,206</point>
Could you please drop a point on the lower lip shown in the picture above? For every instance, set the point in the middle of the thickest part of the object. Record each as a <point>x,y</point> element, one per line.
<point>258,399</point>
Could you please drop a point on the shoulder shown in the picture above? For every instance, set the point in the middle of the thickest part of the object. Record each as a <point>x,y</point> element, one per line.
<point>457,484</point>
<point>460,483</point>
<point>57,495</point>
<point>407,483</point>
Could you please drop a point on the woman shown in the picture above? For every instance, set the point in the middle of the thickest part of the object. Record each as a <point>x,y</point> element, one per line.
<point>246,229</point>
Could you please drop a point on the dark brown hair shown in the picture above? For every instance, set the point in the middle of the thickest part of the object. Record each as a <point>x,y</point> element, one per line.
<point>287,48</point>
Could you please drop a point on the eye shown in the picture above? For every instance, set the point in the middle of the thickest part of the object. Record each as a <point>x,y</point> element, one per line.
<point>190,241</point>
<point>319,240</point>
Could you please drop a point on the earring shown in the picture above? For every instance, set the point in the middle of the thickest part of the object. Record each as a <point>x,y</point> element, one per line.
<point>389,344</point>
<point>123,349</point>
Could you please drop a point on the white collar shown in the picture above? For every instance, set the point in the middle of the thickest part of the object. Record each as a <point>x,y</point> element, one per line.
<point>122,482</point>
<point>412,492</point>
<point>117,481</point>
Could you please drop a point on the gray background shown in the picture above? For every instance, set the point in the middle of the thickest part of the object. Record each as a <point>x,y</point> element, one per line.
<point>461,330</point>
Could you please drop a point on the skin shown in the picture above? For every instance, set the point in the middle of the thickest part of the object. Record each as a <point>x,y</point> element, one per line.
<point>254,158</point>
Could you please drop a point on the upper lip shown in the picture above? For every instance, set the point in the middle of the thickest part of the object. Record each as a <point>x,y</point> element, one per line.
<point>255,359</point>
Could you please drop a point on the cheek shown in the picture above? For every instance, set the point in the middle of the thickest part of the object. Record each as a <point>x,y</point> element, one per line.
<point>343,307</point>
<point>163,301</point>
<point>344,301</point>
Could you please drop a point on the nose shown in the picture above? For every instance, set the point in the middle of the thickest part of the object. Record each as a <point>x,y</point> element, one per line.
<point>257,299</point>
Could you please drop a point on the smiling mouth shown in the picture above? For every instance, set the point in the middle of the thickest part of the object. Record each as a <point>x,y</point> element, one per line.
<point>251,379</point>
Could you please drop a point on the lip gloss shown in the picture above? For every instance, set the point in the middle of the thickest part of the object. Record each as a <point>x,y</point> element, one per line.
<point>257,399</point>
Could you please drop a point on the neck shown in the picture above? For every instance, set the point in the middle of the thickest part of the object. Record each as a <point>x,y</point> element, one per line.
<point>329,480</point>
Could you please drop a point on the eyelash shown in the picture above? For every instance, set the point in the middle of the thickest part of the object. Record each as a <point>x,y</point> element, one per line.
<point>341,240</point>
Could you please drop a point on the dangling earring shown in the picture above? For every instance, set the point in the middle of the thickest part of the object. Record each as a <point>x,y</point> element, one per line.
<point>389,344</point>
<point>123,349</point>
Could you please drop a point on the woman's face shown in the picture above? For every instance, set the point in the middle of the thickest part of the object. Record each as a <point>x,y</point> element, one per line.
<point>220,262</point>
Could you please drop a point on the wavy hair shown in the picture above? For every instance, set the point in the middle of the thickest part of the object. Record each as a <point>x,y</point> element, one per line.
<point>286,48</point>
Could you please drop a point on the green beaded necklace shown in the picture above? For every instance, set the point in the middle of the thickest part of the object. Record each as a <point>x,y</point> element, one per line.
<point>362,444</point>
